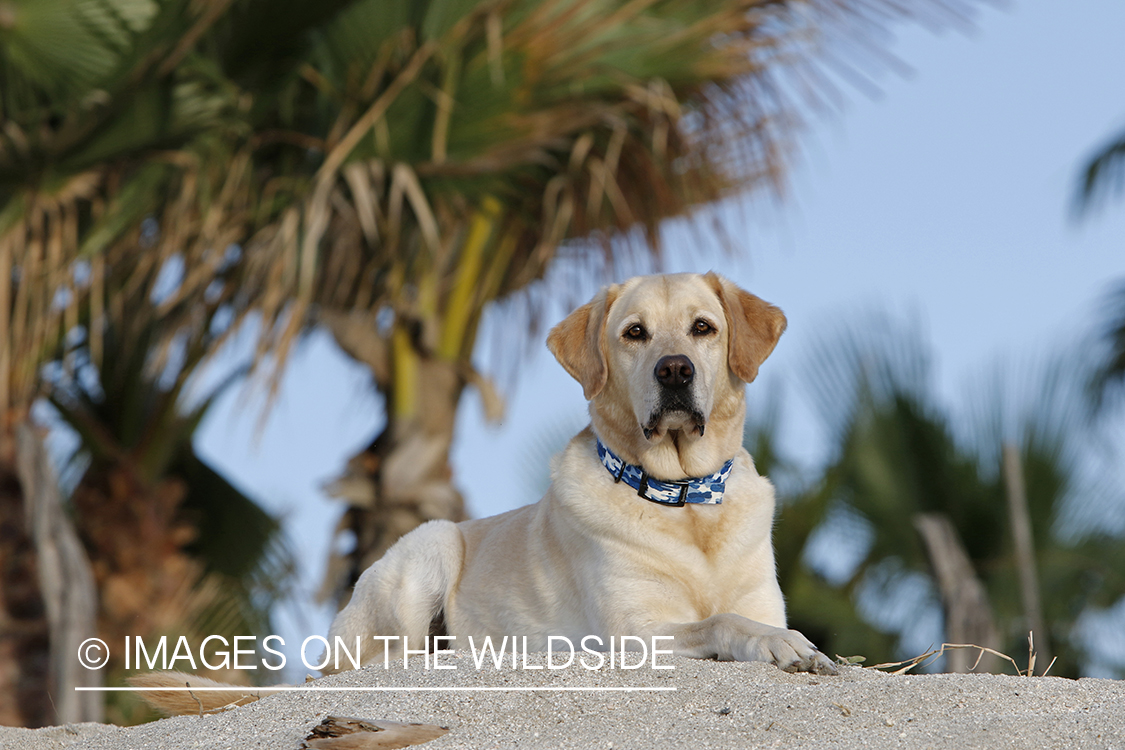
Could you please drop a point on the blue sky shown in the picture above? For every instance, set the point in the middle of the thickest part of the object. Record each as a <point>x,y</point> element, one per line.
<point>943,201</point>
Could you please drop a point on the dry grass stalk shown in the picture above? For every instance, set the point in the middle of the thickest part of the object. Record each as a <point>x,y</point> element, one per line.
<point>932,655</point>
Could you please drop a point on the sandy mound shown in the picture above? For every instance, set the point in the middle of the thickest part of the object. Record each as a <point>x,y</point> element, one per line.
<point>715,705</point>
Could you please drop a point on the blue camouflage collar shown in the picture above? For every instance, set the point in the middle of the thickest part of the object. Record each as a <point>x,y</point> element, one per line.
<point>699,490</point>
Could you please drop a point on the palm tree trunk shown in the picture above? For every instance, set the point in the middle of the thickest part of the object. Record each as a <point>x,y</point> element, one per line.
<point>47,598</point>
<point>136,535</point>
<point>1025,552</point>
<point>65,581</point>
<point>24,633</point>
<point>968,613</point>
<point>421,366</point>
<point>403,479</point>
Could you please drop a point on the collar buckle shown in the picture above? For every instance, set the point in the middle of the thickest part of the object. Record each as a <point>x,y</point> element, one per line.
<point>679,502</point>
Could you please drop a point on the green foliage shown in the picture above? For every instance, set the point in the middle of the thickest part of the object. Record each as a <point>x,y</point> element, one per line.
<point>896,454</point>
<point>65,48</point>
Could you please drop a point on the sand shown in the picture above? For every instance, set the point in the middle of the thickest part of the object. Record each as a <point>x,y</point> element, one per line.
<point>715,705</point>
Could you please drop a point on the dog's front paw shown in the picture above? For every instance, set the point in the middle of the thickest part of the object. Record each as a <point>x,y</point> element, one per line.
<point>790,651</point>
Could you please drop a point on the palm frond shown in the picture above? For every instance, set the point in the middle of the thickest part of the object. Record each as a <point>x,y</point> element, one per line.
<point>82,170</point>
<point>869,360</point>
<point>1109,376</point>
<point>1103,176</point>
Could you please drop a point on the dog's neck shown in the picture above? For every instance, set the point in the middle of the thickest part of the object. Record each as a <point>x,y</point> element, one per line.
<point>676,454</point>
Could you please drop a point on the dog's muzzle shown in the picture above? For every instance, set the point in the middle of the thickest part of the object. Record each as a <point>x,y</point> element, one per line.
<point>675,374</point>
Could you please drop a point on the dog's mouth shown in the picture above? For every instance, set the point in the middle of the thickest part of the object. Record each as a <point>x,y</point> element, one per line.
<point>683,419</point>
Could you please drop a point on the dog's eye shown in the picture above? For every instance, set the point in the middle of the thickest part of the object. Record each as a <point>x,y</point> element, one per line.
<point>702,328</point>
<point>636,332</point>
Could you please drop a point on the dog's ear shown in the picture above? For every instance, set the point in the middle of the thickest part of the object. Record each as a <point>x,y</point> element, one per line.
<point>755,326</point>
<point>578,342</point>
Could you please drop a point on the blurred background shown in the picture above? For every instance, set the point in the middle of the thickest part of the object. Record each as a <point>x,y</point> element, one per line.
<point>275,278</point>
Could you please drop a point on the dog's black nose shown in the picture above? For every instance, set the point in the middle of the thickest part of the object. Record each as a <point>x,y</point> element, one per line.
<point>674,370</point>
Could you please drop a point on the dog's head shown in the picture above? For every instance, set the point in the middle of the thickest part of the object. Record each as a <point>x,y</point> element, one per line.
<point>662,360</point>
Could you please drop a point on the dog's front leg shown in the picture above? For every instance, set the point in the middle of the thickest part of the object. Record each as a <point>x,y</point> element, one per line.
<point>731,637</point>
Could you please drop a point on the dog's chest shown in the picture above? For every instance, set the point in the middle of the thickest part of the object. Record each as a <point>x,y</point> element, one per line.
<point>699,529</point>
<point>694,562</point>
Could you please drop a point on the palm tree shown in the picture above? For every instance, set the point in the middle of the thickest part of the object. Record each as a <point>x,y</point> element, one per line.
<point>933,506</point>
<point>112,122</point>
<point>51,185</point>
<point>175,549</point>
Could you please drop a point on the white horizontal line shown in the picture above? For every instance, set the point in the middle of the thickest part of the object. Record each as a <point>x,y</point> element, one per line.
<point>297,688</point>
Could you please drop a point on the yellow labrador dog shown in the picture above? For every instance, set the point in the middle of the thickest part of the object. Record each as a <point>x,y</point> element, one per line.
<point>656,522</point>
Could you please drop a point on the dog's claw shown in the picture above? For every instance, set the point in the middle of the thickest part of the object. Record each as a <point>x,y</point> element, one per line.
<point>701,428</point>
<point>648,433</point>
<point>821,664</point>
